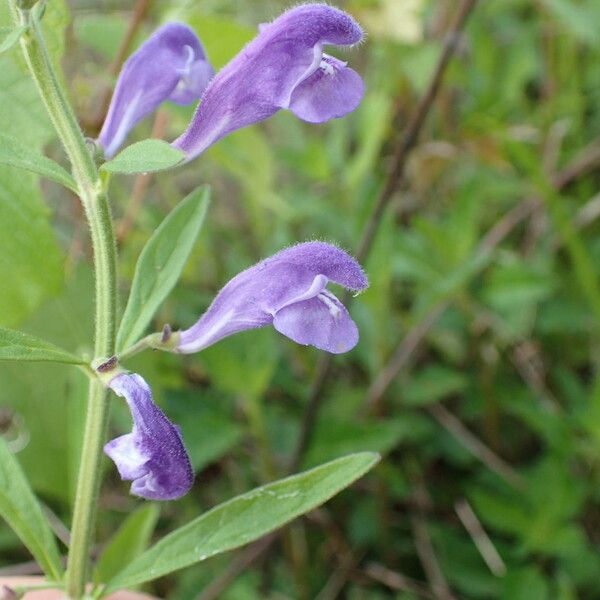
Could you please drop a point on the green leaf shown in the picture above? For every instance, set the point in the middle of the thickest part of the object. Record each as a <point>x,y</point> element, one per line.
<point>147,156</point>
<point>161,263</point>
<point>244,519</point>
<point>130,540</point>
<point>48,399</point>
<point>12,38</point>
<point>432,384</point>
<point>368,435</point>
<point>31,261</point>
<point>16,154</point>
<point>222,37</point>
<point>16,345</point>
<point>20,509</point>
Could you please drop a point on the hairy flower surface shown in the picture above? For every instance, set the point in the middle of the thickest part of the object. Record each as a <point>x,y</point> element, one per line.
<point>170,65</point>
<point>284,67</point>
<point>289,291</point>
<point>152,455</point>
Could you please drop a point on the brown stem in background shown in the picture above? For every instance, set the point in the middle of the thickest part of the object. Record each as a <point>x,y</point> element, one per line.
<point>140,11</point>
<point>480,538</point>
<point>397,582</point>
<point>405,145</point>
<point>237,566</point>
<point>140,186</point>
<point>424,544</point>
<point>583,163</point>
<point>475,446</point>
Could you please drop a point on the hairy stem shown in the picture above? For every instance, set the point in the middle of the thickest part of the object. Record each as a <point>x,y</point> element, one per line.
<point>97,210</point>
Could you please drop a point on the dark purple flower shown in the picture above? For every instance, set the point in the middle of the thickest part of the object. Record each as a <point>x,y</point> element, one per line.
<point>170,65</point>
<point>152,455</point>
<point>289,291</point>
<point>284,67</point>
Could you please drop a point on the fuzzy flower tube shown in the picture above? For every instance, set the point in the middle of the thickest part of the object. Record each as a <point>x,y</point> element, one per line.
<point>284,67</point>
<point>170,65</point>
<point>289,291</point>
<point>152,455</point>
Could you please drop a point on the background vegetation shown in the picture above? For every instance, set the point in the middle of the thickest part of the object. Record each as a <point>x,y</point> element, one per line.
<point>477,371</point>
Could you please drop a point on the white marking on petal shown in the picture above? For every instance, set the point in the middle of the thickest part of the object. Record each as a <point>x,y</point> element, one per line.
<point>201,342</point>
<point>327,68</point>
<point>318,285</point>
<point>328,300</point>
<point>317,57</point>
<point>185,71</point>
<point>124,127</point>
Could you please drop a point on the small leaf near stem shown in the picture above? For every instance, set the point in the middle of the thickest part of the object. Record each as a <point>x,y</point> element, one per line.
<point>11,40</point>
<point>19,346</point>
<point>147,156</point>
<point>161,263</point>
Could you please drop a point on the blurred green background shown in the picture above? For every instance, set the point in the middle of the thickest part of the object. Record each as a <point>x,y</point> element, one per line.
<point>485,294</point>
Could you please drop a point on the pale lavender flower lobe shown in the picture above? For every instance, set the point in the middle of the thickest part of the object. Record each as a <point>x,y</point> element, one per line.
<point>152,455</point>
<point>289,291</point>
<point>284,67</point>
<point>170,65</point>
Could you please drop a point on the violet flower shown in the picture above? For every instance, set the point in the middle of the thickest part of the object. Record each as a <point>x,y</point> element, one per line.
<point>289,291</point>
<point>152,455</point>
<point>284,67</point>
<point>170,65</point>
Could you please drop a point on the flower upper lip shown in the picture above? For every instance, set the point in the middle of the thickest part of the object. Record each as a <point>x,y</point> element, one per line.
<point>170,65</point>
<point>282,68</point>
<point>287,290</point>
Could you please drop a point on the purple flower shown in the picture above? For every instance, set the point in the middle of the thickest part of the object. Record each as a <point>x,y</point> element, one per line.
<point>170,65</point>
<point>152,455</point>
<point>284,67</point>
<point>289,291</point>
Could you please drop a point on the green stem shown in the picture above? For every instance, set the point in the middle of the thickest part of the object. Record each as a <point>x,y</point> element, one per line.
<point>97,210</point>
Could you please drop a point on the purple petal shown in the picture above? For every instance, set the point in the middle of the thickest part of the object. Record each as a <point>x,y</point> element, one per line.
<point>152,455</point>
<point>332,91</point>
<point>263,77</point>
<point>321,321</point>
<point>170,65</point>
<point>268,291</point>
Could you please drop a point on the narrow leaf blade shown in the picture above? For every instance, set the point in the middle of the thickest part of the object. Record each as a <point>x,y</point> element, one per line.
<point>12,38</point>
<point>16,345</point>
<point>20,509</point>
<point>160,265</point>
<point>147,156</point>
<point>17,154</point>
<point>244,519</point>
<point>130,540</point>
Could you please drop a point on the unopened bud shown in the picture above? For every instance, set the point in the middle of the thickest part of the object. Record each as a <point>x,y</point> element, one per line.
<point>167,332</point>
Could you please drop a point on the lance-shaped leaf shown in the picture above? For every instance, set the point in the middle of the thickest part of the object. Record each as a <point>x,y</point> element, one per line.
<point>12,38</point>
<point>17,154</point>
<point>244,519</point>
<point>161,263</point>
<point>21,510</point>
<point>147,156</point>
<point>130,540</point>
<point>284,67</point>
<point>16,345</point>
